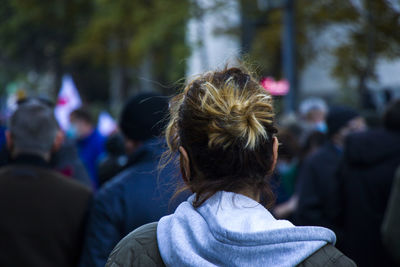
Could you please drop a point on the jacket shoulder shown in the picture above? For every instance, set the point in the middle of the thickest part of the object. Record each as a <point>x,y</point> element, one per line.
<point>327,256</point>
<point>139,248</point>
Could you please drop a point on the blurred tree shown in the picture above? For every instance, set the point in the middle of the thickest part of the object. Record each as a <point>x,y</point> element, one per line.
<point>35,33</point>
<point>141,41</point>
<point>374,35</point>
<point>131,43</point>
<point>370,31</point>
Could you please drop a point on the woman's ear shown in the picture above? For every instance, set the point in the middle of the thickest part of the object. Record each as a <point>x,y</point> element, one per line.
<point>185,164</point>
<point>275,146</point>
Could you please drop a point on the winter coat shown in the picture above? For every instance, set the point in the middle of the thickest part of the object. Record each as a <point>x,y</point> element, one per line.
<point>140,248</point>
<point>390,226</point>
<point>138,195</point>
<point>316,187</point>
<point>365,180</point>
<point>228,229</point>
<point>43,215</point>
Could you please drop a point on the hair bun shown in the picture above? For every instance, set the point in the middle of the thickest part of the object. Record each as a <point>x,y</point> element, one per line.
<point>239,110</point>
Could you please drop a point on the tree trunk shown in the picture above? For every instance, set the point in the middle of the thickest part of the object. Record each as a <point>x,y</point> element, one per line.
<point>116,87</point>
<point>369,68</point>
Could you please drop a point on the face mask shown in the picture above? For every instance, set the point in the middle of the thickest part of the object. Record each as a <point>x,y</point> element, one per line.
<point>283,167</point>
<point>72,132</point>
<point>321,126</point>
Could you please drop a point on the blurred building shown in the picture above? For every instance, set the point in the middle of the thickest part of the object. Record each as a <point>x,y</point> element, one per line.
<point>210,49</point>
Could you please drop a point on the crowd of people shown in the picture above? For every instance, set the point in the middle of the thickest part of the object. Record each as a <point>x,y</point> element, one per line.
<point>210,177</point>
<point>344,184</point>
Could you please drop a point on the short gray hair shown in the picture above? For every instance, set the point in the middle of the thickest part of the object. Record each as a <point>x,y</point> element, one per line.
<point>33,127</point>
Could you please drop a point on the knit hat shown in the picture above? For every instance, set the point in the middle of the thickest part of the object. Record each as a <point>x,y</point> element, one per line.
<point>338,117</point>
<point>142,116</point>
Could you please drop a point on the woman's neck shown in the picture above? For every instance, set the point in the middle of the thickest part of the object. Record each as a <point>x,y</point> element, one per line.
<point>251,193</point>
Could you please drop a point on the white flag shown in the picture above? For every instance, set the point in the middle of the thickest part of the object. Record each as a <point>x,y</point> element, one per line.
<point>106,124</point>
<point>68,100</point>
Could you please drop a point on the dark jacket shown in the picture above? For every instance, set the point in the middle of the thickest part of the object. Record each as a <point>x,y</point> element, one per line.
<point>136,196</point>
<point>316,187</point>
<point>43,215</point>
<point>140,248</point>
<point>390,226</point>
<point>366,176</point>
<point>66,160</point>
<point>115,160</point>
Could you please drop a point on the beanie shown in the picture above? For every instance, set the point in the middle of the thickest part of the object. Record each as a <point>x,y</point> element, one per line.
<point>143,115</point>
<point>338,117</point>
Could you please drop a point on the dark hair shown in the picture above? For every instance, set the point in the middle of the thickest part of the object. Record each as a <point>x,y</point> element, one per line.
<point>82,114</point>
<point>313,141</point>
<point>391,117</point>
<point>289,148</point>
<point>224,120</point>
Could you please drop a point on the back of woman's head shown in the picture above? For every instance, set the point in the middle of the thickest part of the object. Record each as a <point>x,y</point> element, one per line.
<point>224,120</point>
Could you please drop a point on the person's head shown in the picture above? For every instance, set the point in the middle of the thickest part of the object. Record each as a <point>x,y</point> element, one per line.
<point>313,110</point>
<point>313,141</point>
<point>142,119</point>
<point>33,129</point>
<point>81,123</point>
<point>289,148</point>
<point>343,121</point>
<point>223,126</point>
<point>391,117</point>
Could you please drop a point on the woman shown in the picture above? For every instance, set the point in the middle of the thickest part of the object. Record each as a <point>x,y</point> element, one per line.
<point>222,126</point>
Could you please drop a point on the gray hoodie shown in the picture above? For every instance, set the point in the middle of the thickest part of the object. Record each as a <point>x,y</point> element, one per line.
<point>233,230</point>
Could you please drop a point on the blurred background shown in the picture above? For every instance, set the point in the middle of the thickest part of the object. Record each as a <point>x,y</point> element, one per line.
<point>332,66</point>
<point>343,51</point>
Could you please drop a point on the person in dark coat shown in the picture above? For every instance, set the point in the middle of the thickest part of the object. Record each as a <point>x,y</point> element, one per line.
<point>138,195</point>
<point>43,213</point>
<point>366,177</point>
<point>316,180</point>
<point>390,227</point>
<point>116,159</point>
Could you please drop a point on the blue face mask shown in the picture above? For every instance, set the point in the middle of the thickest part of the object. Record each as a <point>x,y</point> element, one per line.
<point>72,132</point>
<point>321,126</point>
<point>283,167</point>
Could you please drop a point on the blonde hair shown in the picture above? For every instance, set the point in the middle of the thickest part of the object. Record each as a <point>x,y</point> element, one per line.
<point>224,120</point>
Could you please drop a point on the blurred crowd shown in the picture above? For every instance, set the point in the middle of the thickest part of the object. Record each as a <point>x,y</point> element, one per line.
<point>71,196</point>
<point>335,171</point>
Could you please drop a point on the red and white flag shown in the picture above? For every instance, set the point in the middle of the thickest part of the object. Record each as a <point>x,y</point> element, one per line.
<point>68,100</point>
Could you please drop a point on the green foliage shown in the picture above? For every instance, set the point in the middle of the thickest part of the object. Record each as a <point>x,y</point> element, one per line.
<point>370,32</point>
<point>374,35</point>
<point>124,32</point>
<point>88,37</point>
<point>34,33</point>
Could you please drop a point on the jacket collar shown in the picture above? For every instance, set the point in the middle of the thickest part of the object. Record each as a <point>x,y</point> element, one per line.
<point>149,151</point>
<point>30,159</point>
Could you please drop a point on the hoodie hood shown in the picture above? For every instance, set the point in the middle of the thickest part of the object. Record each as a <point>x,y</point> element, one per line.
<point>233,230</point>
<point>372,147</point>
